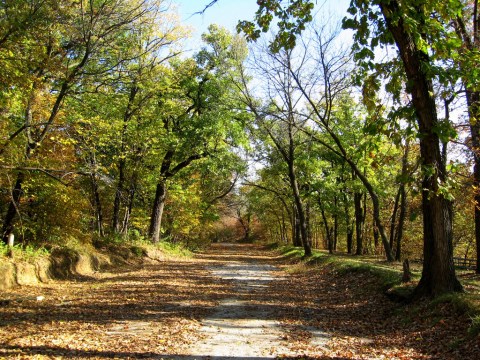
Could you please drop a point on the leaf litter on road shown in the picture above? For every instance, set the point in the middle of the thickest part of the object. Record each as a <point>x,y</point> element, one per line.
<point>157,311</point>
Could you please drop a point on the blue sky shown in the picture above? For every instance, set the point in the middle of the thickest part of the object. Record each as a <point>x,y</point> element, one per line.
<point>227,13</point>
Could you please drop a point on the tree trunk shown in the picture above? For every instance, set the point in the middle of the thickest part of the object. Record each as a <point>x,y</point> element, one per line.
<point>471,44</point>
<point>301,212</point>
<point>17,192</point>
<point>97,205</point>
<point>307,220</point>
<point>359,219</point>
<point>296,241</point>
<point>348,224</point>
<point>393,220</point>
<point>283,230</point>
<point>328,231</point>
<point>438,275</point>
<point>335,225</point>
<point>401,222</point>
<point>157,212</point>
<point>122,162</point>
<point>350,239</point>
<point>118,196</point>
<point>376,237</point>
<point>128,211</point>
<point>473,100</point>
<point>403,204</point>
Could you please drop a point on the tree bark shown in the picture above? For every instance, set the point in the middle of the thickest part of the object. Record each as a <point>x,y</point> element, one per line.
<point>348,223</point>
<point>401,222</point>
<point>328,230</point>
<point>403,204</point>
<point>97,205</point>
<point>335,223</point>
<point>359,219</point>
<point>393,220</point>
<point>473,102</point>
<point>157,211</point>
<point>17,192</point>
<point>438,275</point>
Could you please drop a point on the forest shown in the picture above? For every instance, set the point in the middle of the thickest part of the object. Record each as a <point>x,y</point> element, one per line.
<point>111,132</point>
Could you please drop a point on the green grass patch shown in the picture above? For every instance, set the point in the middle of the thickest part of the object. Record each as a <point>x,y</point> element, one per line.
<point>173,249</point>
<point>388,275</point>
<point>292,252</point>
<point>27,253</point>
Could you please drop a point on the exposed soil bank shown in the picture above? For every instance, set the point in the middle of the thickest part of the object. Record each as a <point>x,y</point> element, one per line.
<point>66,263</point>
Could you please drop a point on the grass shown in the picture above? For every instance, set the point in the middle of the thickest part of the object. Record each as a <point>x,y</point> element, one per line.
<point>388,276</point>
<point>139,246</point>
<point>27,253</point>
<point>173,249</point>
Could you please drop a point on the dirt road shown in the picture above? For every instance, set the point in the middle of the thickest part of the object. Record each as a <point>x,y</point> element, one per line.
<point>226,303</point>
<point>231,302</point>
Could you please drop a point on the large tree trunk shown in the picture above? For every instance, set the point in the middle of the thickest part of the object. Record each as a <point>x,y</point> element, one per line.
<point>157,212</point>
<point>471,43</point>
<point>438,275</point>
<point>473,100</point>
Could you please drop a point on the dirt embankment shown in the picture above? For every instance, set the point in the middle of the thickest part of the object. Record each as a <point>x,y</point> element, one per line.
<point>65,263</point>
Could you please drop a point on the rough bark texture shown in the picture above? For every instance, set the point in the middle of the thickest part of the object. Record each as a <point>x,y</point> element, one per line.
<point>438,275</point>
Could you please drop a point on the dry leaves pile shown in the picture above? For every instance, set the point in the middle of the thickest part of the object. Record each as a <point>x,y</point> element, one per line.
<point>155,312</point>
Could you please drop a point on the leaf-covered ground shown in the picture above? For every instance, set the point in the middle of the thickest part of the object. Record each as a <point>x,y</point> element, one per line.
<point>157,312</point>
